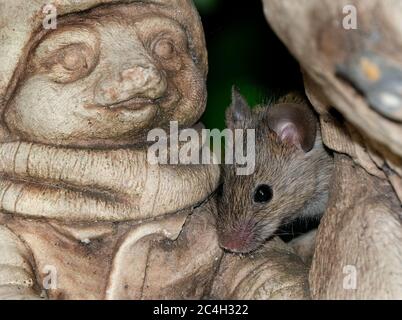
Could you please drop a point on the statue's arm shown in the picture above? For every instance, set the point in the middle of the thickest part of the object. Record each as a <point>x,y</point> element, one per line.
<point>17,278</point>
<point>273,272</point>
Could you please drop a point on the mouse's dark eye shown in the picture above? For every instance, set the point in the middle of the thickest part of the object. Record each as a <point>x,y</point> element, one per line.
<point>263,193</point>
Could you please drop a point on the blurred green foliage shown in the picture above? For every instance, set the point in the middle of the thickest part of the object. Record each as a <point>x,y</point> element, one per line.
<point>243,51</point>
<point>206,6</point>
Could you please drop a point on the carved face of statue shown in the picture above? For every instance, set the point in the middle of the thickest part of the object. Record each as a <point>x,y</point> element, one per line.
<point>106,78</point>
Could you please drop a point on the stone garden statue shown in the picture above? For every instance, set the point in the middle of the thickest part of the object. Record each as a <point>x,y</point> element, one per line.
<point>83,214</point>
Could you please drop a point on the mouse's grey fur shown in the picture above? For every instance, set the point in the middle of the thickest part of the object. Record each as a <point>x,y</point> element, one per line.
<point>299,180</point>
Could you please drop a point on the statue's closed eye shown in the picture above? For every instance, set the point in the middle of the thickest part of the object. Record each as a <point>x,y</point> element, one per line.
<point>70,63</point>
<point>164,49</point>
<point>168,51</point>
<point>72,58</point>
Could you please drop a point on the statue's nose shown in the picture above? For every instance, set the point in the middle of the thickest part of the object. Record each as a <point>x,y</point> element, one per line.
<point>142,81</point>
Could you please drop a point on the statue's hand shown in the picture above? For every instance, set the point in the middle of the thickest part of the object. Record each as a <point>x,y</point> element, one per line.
<point>12,292</point>
<point>17,278</point>
<point>272,272</point>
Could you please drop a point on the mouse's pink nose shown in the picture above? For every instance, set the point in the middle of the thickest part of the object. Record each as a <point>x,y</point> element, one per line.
<point>234,245</point>
<point>238,241</point>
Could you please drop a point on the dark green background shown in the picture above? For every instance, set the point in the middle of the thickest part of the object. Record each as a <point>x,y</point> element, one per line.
<point>243,51</point>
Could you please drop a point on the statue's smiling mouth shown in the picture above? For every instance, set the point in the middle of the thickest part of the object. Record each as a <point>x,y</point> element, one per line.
<point>138,102</point>
<point>134,103</point>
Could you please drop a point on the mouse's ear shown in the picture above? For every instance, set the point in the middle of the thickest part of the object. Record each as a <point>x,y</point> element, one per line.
<point>293,123</point>
<point>238,114</point>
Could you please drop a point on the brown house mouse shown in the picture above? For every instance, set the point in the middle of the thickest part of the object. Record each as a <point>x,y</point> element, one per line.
<point>291,176</point>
